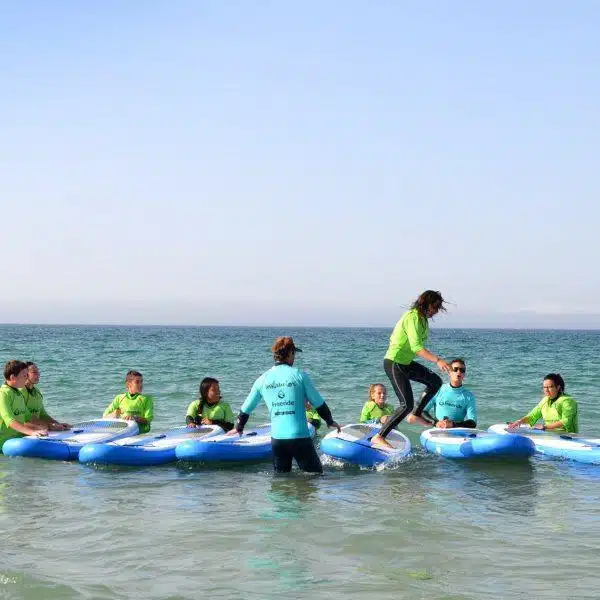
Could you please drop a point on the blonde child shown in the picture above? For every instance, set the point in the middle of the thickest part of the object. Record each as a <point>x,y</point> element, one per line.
<point>376,410</point>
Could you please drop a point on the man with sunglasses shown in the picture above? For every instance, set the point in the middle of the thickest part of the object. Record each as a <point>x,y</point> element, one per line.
<point>453,405</point>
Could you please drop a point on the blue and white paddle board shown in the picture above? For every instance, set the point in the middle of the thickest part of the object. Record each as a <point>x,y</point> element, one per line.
<point>65,445</point>
<point>150,449</point>
<point>571,446</point>
<point>353,444</point>
<point>463,442</point>
<point>253,444</point>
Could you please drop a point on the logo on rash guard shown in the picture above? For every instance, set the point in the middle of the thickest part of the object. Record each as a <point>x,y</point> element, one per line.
<point>281,394</point>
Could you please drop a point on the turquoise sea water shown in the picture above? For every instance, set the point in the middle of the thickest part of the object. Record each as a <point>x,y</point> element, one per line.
<point>427,528</point>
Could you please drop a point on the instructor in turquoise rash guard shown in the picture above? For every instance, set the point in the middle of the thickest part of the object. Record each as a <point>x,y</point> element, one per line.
<point>284,389</point>
<point>407,341</point>
<point>453,405</point>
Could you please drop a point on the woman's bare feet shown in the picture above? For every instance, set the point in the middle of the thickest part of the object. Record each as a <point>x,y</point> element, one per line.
<point>381,442</point>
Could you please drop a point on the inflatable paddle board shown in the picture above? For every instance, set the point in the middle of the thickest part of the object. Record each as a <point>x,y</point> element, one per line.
<point>353,444</point>
<point>148,449</point>
<point>253,444</point>
<point>463,442</point>
<point>560,445</point>
<point>65,445</point>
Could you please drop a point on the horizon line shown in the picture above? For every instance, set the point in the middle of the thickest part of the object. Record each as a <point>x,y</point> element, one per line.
<point>281,326</point>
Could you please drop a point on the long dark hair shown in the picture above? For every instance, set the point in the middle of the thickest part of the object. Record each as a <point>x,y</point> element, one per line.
<point>427,299</point>
<point>559,382</point>
<point>205,385</point>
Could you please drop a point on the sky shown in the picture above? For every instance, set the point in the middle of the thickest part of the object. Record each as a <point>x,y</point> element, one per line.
<point>299,163</point>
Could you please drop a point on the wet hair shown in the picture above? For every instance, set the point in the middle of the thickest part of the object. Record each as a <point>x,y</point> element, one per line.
<point>13,367</point>
<point>205,385</point>
<point>30,363</point>
<point>373,386</point>
<point>427,299</point>
<point>458,360</point>
<point>557,380</point>
<point>282,349</point>
<point>131,375</point>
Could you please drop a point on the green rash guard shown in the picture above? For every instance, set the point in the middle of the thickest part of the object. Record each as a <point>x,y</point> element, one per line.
<point>562,409</point>
<point>313,417</point>
<point>409,336</point>
<point>136,405</point>
<point>371,413</point>
<point>12,408</point>
<point>34,401</point>
<point>217,413</point>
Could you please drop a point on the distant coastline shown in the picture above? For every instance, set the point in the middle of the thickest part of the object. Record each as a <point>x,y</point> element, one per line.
<point>560,325</point>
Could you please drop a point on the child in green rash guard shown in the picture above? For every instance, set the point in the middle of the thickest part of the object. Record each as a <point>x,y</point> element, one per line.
<point>312,416</point>
<point>13,412</point>
<point>133,405</point>
<point>558,410</point>
<point>34,401</point>
<point>209,409</point>
<point>376,409</point>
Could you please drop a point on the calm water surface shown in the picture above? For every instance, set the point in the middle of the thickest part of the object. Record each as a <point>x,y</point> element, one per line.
<point>425,528</point>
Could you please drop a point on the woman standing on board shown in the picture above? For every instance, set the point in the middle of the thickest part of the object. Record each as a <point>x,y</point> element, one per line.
<point>407,341</point>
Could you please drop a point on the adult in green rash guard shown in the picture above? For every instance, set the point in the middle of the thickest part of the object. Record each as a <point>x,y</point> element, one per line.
<point>285,389</point>
<point>133,405</point>
<point>209,409</point>
<point>34,400</point>
<point>558,411</point>
<point>13,412</point>
<point>407,341</point>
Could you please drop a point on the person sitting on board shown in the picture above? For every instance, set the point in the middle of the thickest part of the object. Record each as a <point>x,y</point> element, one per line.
<point>312,416</point>
<point>453,405</point>
<point>209,409</point>
<point>407,341</point>
<point>558,410</point>
<point>376,409</point>
<point>284,390</point>
<point>14,415</point>
<point>133,405</point>
<point>34,401</point>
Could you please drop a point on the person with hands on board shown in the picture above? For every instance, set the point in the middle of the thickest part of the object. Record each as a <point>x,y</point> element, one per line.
<point>14,415</point>
<point>133,405</point>
<point>558,411</point>
<point>376,409</point>
<point>34,401</point>
<point>284,389</point>
<point>209,408</point>
<point>453,405</point>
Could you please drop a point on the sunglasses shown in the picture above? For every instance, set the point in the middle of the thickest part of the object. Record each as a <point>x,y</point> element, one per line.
<point>459,369</point>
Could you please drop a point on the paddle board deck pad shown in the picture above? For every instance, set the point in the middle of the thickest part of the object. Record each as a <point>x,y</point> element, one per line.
<point>353,444</point>
<point>150,449</point>
<point>463,442</point>
<point>252,445</point>
<point>66,445</point>
<point>571,446</point>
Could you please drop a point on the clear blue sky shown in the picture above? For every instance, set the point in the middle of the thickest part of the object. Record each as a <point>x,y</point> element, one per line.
<point>269,162</point>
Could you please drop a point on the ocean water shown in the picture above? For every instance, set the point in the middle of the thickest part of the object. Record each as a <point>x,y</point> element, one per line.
<point>426,528</point>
